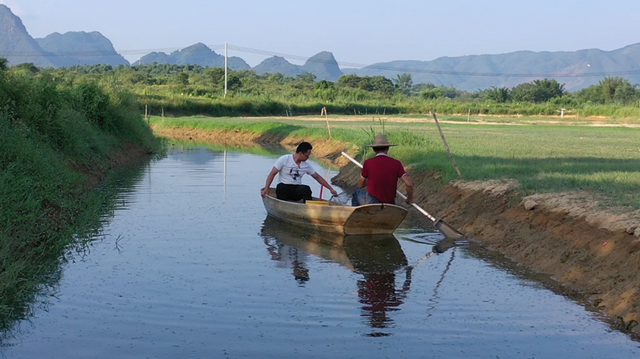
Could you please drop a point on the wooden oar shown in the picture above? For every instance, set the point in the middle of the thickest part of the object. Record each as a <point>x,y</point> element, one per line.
<point>444,228</point>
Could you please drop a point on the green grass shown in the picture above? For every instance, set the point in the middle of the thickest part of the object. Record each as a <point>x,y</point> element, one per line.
<point>51,138</point>
<point>541,157</point>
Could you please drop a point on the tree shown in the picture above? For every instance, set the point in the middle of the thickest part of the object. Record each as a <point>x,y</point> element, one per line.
<point>183,78</point>
<point>325,90</point>
<point>4,64</point>
<point>429,94</point>
<point>276,78</point>
<point>382,85</point>
<point>404,82</point>
<point>306,77</point>
<point>216,76</point>
<point>234,82</point>
<point>499,95</point>
<point>365,83</point>
<point>323,85</point>
<point>537,91</point>
<point>351,80</point>
<point>616,89</point>
<point>27,67</point>
<point>609,90</point>
<point>625,93</point>
<point>450,92</point>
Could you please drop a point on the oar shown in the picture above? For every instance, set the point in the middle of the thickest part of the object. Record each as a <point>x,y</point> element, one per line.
<point>444,228</point>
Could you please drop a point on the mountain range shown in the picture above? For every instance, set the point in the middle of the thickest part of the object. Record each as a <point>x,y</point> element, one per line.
<point>55,50</point>
<point>576,70</point>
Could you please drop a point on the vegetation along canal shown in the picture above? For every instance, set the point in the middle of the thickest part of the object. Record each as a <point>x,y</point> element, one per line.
<point>189,265</point>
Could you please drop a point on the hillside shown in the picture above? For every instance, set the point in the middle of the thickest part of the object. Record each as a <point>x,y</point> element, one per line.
<point>197,54</point>
<point>81,48</point>
<point>277,64</point>
<point>578,69</point>
<point>17,46</point>
<point>55,50</point>
<point>324,66</point>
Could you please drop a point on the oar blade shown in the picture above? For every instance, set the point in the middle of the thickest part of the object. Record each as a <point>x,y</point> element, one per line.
<point>448,231</point>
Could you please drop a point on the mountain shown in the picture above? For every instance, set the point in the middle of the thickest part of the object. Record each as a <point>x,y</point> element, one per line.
<point>81,48</point>
<point>576,70</point>
<point>278,64</point>
<point>17,46</point>
<point>197,54</point>
<point>323,65</point>
<point>55,50</point>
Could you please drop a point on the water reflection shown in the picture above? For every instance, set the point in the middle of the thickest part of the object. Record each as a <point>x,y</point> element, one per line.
<point>379,259</point>
<point>46,268</point>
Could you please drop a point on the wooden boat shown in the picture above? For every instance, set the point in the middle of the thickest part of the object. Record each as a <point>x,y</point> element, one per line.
<point>336,217</point>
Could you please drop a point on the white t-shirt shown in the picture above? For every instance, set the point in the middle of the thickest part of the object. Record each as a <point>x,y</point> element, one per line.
<point>290,172</point>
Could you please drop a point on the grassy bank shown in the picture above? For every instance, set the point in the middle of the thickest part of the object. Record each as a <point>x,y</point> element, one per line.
<point>56,143</point>
<point>542,157</point>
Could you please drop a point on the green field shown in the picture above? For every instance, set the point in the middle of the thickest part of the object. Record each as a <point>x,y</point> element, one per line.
<point>542,155</point>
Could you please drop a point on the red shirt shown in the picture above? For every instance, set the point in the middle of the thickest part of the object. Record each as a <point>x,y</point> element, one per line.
<point>382,173</point>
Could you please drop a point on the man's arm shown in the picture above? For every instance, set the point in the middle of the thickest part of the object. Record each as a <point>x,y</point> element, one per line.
<point>270,177</point>
<point>362,182</point>
<point>409,184</point>
<point>323,182</point>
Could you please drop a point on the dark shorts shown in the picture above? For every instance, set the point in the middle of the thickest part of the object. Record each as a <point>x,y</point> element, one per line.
<point>293,192</point>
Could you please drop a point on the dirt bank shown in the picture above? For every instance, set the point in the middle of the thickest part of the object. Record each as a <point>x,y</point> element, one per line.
<point>589,247</point>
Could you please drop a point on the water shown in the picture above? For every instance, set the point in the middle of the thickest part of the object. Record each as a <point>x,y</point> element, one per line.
<point>189,266</point>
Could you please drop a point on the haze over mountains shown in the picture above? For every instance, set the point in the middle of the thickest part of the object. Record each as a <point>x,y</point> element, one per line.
<point>577,69</point>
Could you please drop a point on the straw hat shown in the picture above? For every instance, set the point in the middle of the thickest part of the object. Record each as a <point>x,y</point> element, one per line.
<point>380,141</point>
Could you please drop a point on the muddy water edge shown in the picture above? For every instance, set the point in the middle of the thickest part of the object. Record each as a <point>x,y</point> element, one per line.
<point>591,261</point>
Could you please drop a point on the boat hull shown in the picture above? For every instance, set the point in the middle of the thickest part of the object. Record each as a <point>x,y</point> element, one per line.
<point>335,217</point>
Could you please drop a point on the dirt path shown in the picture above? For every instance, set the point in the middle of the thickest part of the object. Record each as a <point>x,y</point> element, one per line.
<point>591,249</point>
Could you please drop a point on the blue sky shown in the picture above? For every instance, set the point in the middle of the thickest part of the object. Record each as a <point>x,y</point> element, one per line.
<point>357,32</point>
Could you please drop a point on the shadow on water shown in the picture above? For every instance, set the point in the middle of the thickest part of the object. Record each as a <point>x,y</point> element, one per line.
<point>379,259</point>
<point>47,269</point>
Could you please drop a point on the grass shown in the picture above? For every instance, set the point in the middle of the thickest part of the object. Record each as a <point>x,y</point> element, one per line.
<point>542,157</point>
<point>52,139</point>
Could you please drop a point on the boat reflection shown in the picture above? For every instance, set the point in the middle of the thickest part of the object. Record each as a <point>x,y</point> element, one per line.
<point>378,258</point>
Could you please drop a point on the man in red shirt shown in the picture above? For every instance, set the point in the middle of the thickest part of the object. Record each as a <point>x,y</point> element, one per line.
<point>380,176</point>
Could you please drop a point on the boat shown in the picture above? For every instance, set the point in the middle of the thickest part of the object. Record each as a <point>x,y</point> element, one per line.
<point>336,217</point>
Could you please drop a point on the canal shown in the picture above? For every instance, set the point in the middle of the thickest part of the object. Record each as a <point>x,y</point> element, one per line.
<point>189,266</point>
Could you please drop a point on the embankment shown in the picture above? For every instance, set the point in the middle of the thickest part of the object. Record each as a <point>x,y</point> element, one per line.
<point>56,142</point>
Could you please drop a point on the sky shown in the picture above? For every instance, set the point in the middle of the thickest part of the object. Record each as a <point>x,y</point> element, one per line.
<point>357,32</point>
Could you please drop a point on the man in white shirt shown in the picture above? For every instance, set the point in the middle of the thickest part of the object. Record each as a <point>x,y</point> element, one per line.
<point>290,169</point>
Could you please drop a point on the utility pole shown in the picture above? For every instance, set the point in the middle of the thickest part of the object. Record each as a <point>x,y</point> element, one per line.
<point>226,66</point>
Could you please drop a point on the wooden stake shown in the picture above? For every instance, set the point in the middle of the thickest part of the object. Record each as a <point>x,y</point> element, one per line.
<point>445,144</point>
<point>324,112</point>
